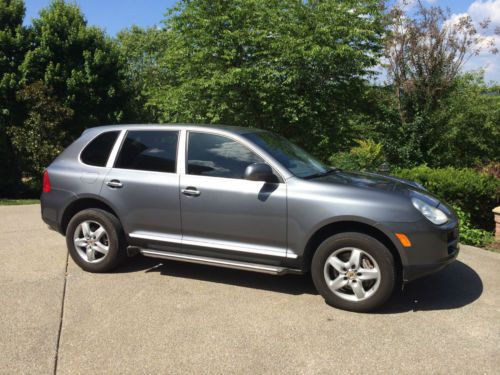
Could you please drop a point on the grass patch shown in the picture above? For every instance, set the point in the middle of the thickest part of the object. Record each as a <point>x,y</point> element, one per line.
<point>18,202</point>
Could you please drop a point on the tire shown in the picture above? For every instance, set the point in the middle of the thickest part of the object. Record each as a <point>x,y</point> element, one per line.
<point>107,249</point>
<point>373,272</point>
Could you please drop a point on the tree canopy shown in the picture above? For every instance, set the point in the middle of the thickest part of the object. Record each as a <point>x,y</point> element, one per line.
<point>303,69</point>
<point>78,63</point>
<point>297,68</point>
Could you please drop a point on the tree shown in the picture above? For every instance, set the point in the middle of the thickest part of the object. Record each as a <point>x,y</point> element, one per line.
<point>13,44</point>
<point>81,66</point>
<point>141,50</point>
<point>41,136</point>
<point>468,121</point>
<point>295,67</point>
<point>425,52</point>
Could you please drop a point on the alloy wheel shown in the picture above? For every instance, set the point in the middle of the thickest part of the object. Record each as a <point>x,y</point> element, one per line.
<point>352,274</point>
<point>91,241</point>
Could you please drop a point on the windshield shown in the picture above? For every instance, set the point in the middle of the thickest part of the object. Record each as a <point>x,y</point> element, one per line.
<point>292,157</point>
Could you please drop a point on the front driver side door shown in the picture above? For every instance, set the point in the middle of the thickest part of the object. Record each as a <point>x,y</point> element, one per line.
<point>222,213</point>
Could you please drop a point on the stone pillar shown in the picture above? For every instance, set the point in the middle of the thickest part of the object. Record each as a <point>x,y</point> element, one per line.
<point>496,211</point>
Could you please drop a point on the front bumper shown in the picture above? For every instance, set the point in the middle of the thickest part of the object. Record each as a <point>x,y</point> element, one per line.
<point>433,247</point>
<point>411,273</point>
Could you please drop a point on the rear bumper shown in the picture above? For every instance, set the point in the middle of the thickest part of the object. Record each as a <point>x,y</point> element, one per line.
<point>52,207</point>
<point>49,215</point>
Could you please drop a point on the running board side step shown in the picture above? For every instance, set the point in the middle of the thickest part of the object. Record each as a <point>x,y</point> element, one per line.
<point>262,268</point>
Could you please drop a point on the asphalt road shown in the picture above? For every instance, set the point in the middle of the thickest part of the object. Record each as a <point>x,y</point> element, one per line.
<point>178,318</point>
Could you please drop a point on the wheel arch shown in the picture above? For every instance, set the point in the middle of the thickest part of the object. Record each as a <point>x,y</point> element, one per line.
<point>343,226</point>
<point>83,203</point>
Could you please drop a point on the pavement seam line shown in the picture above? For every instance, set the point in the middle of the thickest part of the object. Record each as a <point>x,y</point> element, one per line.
<point>61,316</point>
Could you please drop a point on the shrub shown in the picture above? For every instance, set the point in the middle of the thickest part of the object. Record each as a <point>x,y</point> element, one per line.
<point>367,155</point>
<point>492,169</point>
<point>474,192</point>
<point>468,234</point>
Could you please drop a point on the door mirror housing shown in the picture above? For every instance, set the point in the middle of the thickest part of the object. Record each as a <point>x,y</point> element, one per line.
<point>260,172</point>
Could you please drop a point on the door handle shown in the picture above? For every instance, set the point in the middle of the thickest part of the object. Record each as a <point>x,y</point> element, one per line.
<point>114,184</point>
<point>191,191</point>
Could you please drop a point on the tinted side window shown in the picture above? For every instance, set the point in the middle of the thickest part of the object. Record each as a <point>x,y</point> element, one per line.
<point>214,155</point>
<point>151,150</point>
<point>97,152</point>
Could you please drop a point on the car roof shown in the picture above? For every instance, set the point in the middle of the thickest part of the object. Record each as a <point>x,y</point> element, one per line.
<point>228,128</point>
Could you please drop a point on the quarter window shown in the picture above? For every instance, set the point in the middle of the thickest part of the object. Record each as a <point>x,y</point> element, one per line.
<point>217,156</point>
<point>97,152</point>
<point>149,151</point>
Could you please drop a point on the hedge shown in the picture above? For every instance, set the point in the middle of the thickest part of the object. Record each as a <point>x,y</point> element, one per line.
<point>474,192</point>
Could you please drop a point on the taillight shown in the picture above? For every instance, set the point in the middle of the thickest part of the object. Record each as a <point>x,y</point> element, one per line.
<point>46,182</point>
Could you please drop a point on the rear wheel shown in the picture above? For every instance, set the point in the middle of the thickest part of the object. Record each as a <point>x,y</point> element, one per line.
<point>95,240</point>
<point>353,271</point>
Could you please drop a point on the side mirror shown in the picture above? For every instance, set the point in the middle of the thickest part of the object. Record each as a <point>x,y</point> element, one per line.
<point>260,172</point>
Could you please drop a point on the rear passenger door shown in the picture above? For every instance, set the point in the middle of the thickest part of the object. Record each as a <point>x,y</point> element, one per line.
<point>143,186</point>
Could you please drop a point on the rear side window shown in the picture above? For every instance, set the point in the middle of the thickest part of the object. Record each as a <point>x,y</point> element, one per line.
<point>150,150</point>
<point>97,152</point>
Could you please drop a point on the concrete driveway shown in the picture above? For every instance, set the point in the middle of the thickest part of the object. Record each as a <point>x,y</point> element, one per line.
<point>168,317</point>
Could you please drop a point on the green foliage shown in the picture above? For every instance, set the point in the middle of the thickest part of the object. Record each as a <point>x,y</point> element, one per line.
<point>13,44</point>
<point>474,192</point>
<point>80,64</point>
<point>18,202</point>
<point>462,130</point>
<point>41,137</point>
<point>466,125</point>
<point>443,118</point>
<point>367,155</point>
<point>299,68</point>
<point>141,50</point>
<point>492,169</point>
<point>59,76</point>
<point>468,234</point>
<point>294,67</point>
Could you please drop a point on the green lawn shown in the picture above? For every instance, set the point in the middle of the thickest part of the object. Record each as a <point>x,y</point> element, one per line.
<point>17,202</point>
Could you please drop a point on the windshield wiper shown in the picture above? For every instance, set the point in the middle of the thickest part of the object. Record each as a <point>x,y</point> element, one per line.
<point>321,174</point>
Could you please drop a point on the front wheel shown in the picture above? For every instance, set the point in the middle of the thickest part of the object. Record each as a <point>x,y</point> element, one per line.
<point>353,271</point>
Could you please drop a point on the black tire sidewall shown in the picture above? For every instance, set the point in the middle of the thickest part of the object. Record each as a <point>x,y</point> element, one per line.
<point>115,237</point>
<point>370,245</point>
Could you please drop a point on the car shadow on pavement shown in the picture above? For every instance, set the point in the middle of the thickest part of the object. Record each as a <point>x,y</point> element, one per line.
<point>455,286</point>
<point>289,284</point>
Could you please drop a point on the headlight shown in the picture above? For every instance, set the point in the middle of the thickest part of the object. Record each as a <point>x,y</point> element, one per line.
<point>435,215</point>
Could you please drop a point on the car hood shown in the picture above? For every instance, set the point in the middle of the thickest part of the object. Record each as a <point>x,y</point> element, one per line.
<point>376,181</point>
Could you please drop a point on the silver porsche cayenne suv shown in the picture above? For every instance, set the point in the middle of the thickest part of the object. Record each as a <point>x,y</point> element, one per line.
<point>247,199</point>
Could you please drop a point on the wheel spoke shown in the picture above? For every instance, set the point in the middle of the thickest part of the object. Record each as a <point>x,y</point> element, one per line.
<point>80,242</point>
<point>86,229</point>
<point>90,254</point>
<point>99,232</point>
<point>336,263</point>
<point>357,288</point>
<point>99,247</point>
<point>355,258</point>
<point>338,283</point>
<point>368,273</point>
